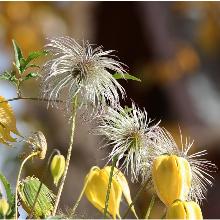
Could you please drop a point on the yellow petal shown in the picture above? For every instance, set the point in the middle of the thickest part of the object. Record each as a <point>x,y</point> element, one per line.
<point>172,178</point>
<point>184,210</point>
<point>193,210</point>
<point>96,189</point>
<point>7,122</point>
<point>120,178</point>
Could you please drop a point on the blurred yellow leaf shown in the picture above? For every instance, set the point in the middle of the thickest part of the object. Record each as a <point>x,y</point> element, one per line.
<point>7,122</point>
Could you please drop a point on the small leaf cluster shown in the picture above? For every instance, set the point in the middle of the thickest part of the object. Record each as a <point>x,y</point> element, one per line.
<point>21,65</point>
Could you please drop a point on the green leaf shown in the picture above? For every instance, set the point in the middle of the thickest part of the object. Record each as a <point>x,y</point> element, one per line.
<point>125,76</point>
<point>31,76</point>
<point>18,55</point>
<point>34,55</point>
<point>27,191</point>
<point>5,76</point>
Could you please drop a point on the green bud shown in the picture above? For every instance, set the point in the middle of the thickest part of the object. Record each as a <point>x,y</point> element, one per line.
<point>57,167</point>
<point>4,206</point>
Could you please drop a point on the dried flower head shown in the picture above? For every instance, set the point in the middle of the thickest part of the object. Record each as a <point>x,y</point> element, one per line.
<point>38,143</point>
<point>201,168</point>
<point>84,71</point>
<point>129,132</point>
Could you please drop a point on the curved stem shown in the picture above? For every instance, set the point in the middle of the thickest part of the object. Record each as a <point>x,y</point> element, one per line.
<point>150,207</point>
<point>18,178</point>
<point>31,98</point>
<point>109,186</point>
<point>69,152</point>
<point>41,182</point>
<point>80,197</point>
<point>139,191</point>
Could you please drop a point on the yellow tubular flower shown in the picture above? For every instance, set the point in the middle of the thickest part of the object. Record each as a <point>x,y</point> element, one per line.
<point>120,178</point>
<point>4,206</point>
<point>172,178</point>
<point>57,167</point>
<point>96,189</point>
<point>184,210</point>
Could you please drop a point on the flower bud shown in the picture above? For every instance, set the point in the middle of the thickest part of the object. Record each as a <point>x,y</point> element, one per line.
<point>172,178</point>
<point>184,210</point>
<point>4,206</point>
<point>97,184</point>
<point>57,167</point>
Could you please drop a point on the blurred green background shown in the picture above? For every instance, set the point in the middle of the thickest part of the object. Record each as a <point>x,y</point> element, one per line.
<point>173,47</point>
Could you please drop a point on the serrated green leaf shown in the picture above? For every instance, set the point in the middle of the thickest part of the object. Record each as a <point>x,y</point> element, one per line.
<point>5,76</point>
<point>125,76</point>
<point>34,55</point>
<point>31,75</point>
<point>27,192</point>
<point>18,55</point>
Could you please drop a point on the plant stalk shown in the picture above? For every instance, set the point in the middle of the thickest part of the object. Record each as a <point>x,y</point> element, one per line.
<point>80,197</point>
<point>18,178</point>
<point>69,152</point>
<point>109,186</point>
<point>138,193</point>
<point>30,98</point>
<point>150,207</point>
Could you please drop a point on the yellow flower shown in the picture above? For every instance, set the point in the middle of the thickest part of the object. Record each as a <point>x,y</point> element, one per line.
<point>172,178</point>
<point>184,210</point>
<point>120,178</point>
<point>7,122</point>
<point>57,167</point>
<point>4,206</point>
<point>97,183</point>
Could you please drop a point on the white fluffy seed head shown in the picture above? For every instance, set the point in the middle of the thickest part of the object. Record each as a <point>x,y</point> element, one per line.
<point>127,131</point>
<point>200,167</point>
<point>85,71</point>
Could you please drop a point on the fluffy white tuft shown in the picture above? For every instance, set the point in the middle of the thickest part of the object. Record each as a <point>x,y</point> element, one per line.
<point>84,71</point>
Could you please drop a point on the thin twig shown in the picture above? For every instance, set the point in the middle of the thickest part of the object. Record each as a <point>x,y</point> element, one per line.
<point>80,197</point>
<point>18,178</point>
<point>69,152</point>
<point>150,207</point>
<point>139,191</point>
<point>109,186</point>
<point>31,98</point>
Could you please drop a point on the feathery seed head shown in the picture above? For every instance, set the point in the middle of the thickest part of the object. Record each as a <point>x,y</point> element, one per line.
<point>128,132</point>
<point>84,71</point>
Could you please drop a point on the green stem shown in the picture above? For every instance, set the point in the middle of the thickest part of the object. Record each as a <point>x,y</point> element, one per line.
<point>139,191</point>
<point>150,207</point>
<point>69,152</point>
<point>80,197</point>
<point>31,98</point>
<point>109,186</point>
<point>18,178</point>
<point>41,182</point>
